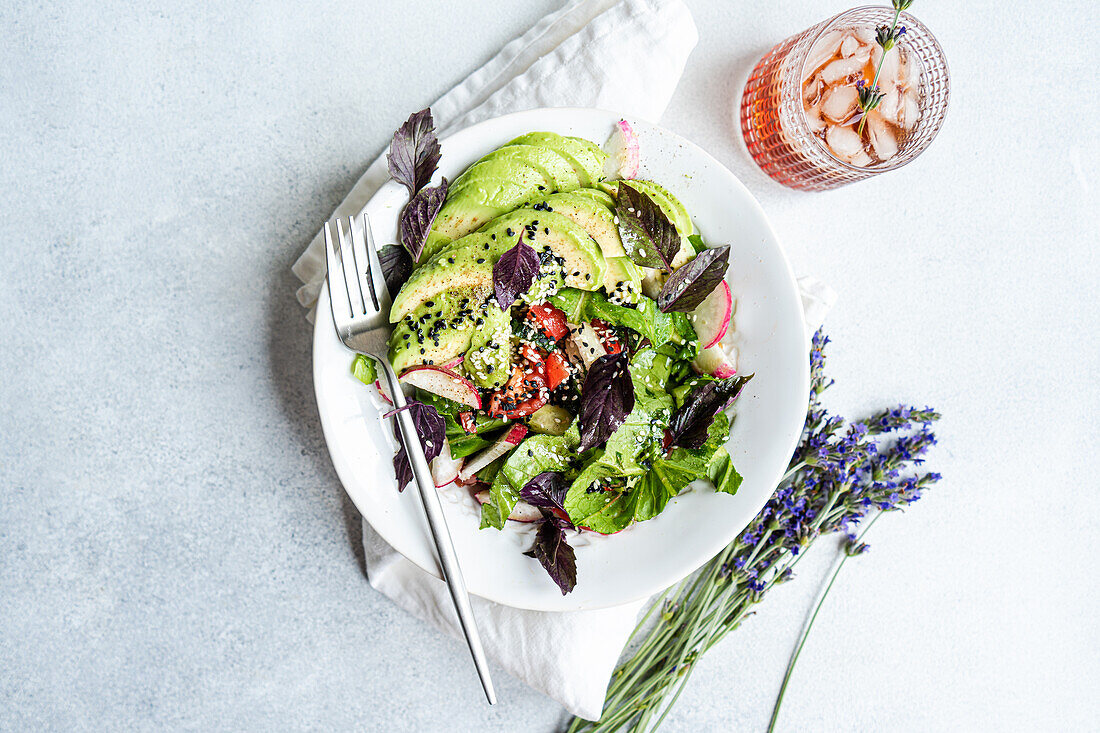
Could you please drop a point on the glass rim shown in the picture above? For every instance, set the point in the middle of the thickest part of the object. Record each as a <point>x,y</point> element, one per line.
<point>829,24</point>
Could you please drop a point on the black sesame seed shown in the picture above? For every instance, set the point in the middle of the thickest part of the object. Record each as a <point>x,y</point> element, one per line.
<point>481,260</point>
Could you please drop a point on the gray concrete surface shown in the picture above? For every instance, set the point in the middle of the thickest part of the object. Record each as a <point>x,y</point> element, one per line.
<point>175,549</point>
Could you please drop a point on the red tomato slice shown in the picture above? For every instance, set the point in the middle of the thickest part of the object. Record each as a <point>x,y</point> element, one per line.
<point>549,320</point>
<point>466,420</point>
<point>557,371</point>
<point>611,344</point>
<point>524,393</point>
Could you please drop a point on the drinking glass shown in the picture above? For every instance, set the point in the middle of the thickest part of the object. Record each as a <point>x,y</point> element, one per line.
<point>774,122</point>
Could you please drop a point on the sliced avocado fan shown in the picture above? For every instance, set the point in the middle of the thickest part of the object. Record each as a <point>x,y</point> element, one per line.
<point>530,166</point>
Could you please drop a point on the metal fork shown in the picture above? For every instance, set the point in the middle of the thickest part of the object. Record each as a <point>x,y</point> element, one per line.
<point>360,310</point>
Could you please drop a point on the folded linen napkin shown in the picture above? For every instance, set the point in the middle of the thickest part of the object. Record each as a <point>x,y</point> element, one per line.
<point>625,55</point>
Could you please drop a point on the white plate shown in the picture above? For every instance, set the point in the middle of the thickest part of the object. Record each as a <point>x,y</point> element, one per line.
<point>649,556</point>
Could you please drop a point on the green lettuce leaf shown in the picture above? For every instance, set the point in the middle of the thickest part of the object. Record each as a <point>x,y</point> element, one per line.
<point>722,473</point>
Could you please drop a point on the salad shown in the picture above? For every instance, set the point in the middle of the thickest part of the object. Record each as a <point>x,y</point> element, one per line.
<point>561,323</point>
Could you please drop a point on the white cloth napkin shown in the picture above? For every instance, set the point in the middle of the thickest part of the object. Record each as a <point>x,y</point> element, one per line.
<point>624,55</point>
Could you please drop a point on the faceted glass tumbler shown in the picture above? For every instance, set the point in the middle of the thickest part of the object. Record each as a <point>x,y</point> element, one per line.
<point>773,119</point>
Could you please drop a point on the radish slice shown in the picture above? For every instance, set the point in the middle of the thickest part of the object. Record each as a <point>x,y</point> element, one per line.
<point>652,282</point>
<point>623,152</point>
<point>505,443</point>
<point>453,362</point>
<point>585,343</point>
<point>522,512</point>
<point>382,392</point>
<point>444,383</point>
<point>714,361</point>
<point>444,467</point>
<point>712,316</point>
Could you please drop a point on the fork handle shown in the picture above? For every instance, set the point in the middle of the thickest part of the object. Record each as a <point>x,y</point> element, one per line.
<point>444,548</point>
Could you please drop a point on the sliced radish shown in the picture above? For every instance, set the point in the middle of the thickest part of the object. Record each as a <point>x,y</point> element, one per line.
<point>623,152</point>
<point>652,282</point>
<point>382,392</point>
<point>521,512</point>
<point>444,467</point>
<point>585,343</point>
<point>712,316</point>
<point>453,362</point>
<point>444,383</point>
<point>505,443</point>
<point>714,361</point>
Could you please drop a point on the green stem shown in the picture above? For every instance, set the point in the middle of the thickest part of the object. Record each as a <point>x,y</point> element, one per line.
<point>878,69</point>
<point>806,631</point>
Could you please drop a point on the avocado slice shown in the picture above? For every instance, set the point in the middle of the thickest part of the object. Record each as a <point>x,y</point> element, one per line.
<point>585,156</point>
<point>468,262</point>
<point>488,361</point>
<point>501,181</point>
<point>598,195</point>
<point>596,219</point>
<point>443,275</point>
<point>437,330</point>
<point>623,280</point>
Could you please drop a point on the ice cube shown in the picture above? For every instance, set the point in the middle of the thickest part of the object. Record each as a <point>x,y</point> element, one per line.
<point>910,109</point>
<point>840,102</point>
<point>845,143</point>
<point>890,74</point>
<point>862,159</point>
<point>811,91</point>
<point>849,46</point>
<point>883,141</point>
<point>866,36</point>
<point>890,106</point>
<point>910,71</point>
<point>814,120</point>
<point>823,50</point>
<point>841,69</point>
<point>852,47</point>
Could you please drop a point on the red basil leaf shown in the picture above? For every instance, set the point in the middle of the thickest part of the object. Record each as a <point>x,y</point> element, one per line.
<point>546,491</point>
<point>689,286</point>
<point>650,239</point>
<point>514,272</point>
<point>607,397</point>
<point>689,424</point>
<point>397,265</point>
<point>416,220</point>
<point>414,152</point>
<point>555,555</point>
<point>432,431</point>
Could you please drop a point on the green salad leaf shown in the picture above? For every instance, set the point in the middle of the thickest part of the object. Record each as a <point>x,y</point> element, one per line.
<point>722,473</point>
<point>533,456</point>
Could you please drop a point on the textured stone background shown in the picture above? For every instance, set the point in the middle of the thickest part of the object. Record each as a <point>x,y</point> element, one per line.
<point>175,549</point>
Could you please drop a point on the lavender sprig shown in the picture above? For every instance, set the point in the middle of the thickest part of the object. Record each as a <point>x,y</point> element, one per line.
<point>887,37</point>
<point>840,474</point>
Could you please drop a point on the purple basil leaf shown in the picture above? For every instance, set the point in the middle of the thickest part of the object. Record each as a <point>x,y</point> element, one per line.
<point>606,399</point>
<point>432,431</point>
<point>417,218</point>
<point>546,491</point>
<point>514,272</point>
<point>555,555</point>
<point>689,286</point>
<point>397,265</point>
<point>689,424</point>
<point>650,239</point>
<point>414,152</point>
